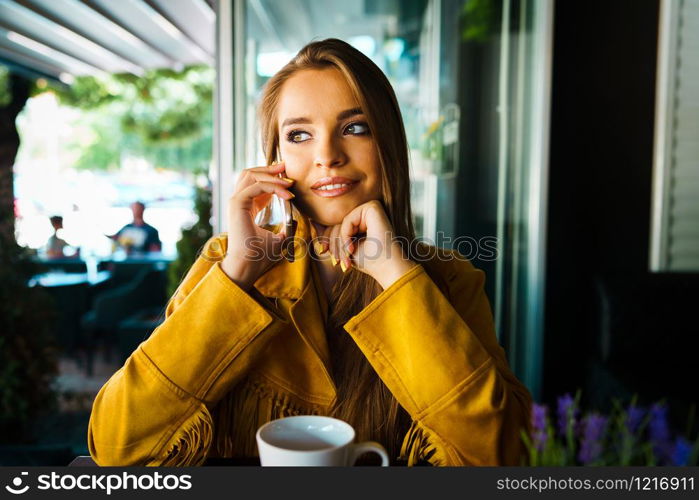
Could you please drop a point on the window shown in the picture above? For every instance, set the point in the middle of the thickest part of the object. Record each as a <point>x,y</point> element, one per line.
<point>674,227</point>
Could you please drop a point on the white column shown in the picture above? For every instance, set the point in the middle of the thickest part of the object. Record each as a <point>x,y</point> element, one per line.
<point>229,112</point>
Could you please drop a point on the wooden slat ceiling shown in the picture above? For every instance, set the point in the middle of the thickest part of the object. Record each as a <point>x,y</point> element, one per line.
<point>62,39</point>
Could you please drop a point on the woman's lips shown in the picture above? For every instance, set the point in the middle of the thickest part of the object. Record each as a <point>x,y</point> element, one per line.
<point>331,193</point>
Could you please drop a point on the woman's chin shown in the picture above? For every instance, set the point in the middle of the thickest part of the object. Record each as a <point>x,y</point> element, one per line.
<point>328,217</point>
<point>325,221</point>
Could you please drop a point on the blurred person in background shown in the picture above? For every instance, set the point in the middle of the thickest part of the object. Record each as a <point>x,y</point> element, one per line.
<point>55,246</point>
<point>138,235</point>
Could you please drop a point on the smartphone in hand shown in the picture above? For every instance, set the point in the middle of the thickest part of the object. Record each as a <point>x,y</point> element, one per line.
<point>279,217</point>
<point>289,224</point>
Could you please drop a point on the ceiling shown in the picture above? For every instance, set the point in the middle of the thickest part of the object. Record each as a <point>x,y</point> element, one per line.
<point>62,39</point>
<point>288,25</point>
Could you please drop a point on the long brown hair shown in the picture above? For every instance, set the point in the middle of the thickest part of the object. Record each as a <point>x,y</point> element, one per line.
<point>363,400</point>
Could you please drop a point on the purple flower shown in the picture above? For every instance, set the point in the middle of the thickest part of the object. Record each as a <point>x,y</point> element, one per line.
<point>660,432</point>
<point>539,417</point>
<point>539,426</point>
<point>594,428</point>
<point>681,452</point>
<point>634,416</point>
<point>567,413</point>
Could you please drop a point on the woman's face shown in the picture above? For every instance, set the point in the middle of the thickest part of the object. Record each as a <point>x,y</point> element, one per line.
<point>325,140</point>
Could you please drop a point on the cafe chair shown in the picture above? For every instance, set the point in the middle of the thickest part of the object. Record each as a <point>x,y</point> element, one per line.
<point>643,339</point>
<point>101,324</point>
<point>136,328</point>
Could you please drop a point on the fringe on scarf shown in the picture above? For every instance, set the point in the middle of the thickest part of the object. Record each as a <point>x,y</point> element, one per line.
<point>243,410</point>
<point>191,442</point>
<point>419,446</point>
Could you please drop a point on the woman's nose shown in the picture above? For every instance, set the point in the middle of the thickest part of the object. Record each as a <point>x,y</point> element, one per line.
<point>329,153</point>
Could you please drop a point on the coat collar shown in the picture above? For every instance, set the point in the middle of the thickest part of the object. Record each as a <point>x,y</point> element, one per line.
<point>290,279</point>
<point>300,282</point>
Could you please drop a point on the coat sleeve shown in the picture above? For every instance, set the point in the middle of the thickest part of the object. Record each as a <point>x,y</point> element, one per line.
<point>155,410</point>
<point>441,360</point>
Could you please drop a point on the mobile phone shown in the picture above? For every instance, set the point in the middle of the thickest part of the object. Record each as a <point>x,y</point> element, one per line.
<point>289,224</point>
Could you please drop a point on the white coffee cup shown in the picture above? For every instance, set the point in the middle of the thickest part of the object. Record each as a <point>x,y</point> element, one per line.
<point>312,440</point>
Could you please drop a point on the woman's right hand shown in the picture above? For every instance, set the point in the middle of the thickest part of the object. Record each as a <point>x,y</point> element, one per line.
<point>252,249</point>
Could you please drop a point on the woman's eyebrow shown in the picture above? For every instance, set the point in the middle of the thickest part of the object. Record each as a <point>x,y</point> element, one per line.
<point>341,116</point>
<point>349,112</point>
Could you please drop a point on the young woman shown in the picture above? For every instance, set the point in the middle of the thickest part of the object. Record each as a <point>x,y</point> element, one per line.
<point>397,339</point>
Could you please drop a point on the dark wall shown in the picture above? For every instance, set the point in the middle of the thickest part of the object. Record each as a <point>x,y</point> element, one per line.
<point>477,73</point>
<point>600,190</point>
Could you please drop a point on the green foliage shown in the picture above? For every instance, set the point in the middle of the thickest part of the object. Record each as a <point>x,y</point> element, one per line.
<point>28,361</point>
<point>87,92</point>
<point>5,92</point>
<point>192,156</point>
<point>105,143</point>
<point>164,116</point>
<point>192,240</point>
<point>27,358</point>
<point>176,124</point>
<point>479,20</point>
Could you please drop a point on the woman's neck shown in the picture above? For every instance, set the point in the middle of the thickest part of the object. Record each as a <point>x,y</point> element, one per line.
<point>329,274</point>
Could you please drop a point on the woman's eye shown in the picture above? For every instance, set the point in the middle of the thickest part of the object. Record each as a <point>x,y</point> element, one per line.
<point>297,136</point>
<point>357,128</point>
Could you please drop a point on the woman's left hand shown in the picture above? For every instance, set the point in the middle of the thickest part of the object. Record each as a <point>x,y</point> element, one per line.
<point>365,240</point>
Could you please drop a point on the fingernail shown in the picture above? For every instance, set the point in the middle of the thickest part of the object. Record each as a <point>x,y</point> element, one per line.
<point>287,179</point>
<point>292,195</point>
<point>343,266</point>
<point>318,247</point>
<point>333,260</point>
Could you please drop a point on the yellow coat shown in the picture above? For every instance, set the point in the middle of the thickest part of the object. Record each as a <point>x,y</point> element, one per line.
<point>225,361</point>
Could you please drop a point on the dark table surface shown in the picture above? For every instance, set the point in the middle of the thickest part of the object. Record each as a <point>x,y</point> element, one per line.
<point>86,461</point>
